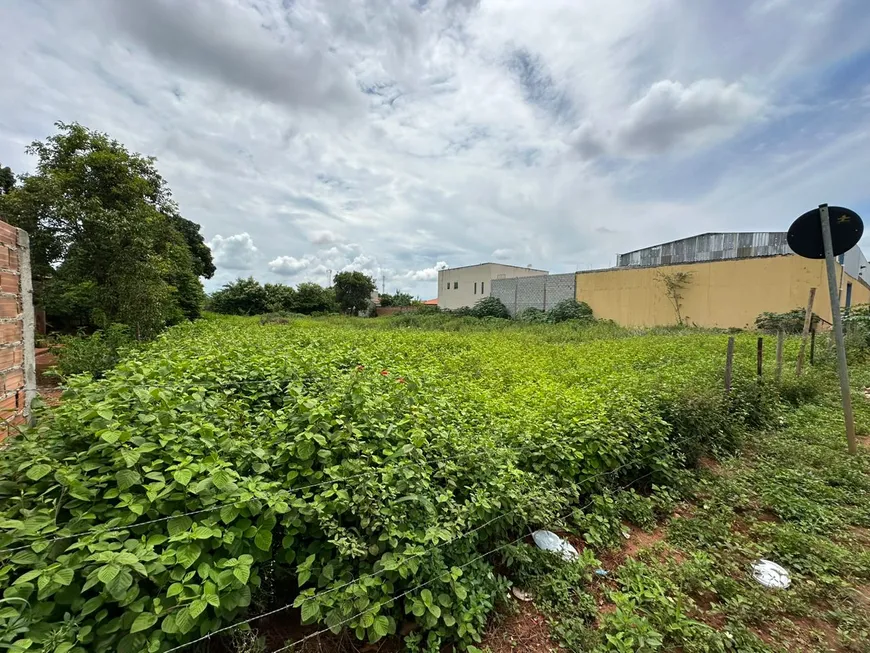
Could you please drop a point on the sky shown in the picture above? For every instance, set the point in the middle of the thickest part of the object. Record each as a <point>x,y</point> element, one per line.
<point>398,137</point>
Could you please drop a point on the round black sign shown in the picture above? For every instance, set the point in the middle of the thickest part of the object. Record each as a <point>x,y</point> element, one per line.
<point>805,233</point>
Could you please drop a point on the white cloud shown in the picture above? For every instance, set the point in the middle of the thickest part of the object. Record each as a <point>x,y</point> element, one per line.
<point>672,116</point>
<point>427,274</point>
<point>233,252</point>
<point>322,237</point>
<point>288,265</point>
<point>503,254</point>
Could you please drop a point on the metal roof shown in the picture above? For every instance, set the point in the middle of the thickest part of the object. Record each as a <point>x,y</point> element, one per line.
<point>708,247</point>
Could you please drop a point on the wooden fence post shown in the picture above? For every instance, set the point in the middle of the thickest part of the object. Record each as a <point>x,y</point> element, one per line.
<point>808,320</point>
<point>780,342</point>
<point>813,347</point>
<point>760,357</point>
<point>729,363</point>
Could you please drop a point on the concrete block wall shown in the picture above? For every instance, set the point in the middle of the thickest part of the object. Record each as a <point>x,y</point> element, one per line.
<point>17,360</point>
<point>542,292</point>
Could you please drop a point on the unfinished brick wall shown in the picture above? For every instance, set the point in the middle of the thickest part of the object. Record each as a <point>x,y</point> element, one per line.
<point>17,364</point>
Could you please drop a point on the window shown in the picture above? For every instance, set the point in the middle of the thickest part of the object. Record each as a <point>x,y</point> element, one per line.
<point>455,285</point>
<point>475,287</point>
<point>448,285</point>
<point>481,288</point>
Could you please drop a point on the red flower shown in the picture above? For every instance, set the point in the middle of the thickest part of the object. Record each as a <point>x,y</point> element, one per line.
<point>360,368</point>
<point>384,372</point>
<point>401,379</point>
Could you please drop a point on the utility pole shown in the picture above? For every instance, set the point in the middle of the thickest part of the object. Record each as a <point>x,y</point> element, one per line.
<point>329,278</point>
<point>383,283</point>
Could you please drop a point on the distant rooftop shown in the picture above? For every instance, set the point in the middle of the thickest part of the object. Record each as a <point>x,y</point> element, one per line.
<point>713,246</point>
<point>507,265</point>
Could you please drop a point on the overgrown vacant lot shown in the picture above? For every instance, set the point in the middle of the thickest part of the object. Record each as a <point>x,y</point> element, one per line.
<point>380,481</point>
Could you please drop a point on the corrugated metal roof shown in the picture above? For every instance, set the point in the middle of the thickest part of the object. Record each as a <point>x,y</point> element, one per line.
<point>708,247</point>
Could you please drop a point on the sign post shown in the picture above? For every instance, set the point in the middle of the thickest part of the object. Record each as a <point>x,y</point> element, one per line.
<point>827,232</point>
<point>838,328</point>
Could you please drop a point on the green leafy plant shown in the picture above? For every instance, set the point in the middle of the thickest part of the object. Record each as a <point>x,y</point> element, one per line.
<point>92,354</point>
<point>569,309</point>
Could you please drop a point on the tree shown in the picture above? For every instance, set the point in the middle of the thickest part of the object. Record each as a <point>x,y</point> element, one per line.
<point>280,298</point>
<point>240,297</point>
<point>107,242</point>
<point>353,291</point>
<point>314,298</point>
<point>674,283</point>
<point>7,180</point>
<point>397,299</point>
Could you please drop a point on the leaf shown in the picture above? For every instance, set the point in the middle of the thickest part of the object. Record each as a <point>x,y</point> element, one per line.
<point>197,607</point>
<point>182,476</point>
<point>188,554</point>
<point>183,621</point>
<point>92,605</point>
<point>174,590</point>
<point>222,480</point>
<point>105,413</point>
<point>127,478</point>
<point>178,525</point>
<point>229,513</point>
<point>310,611</point>
<point>381,626</point>
<point>304,449</point>
<point>130,456</point>
<point>110,436</point>
<point>242,574</point>
<point>202,532</point>
<point>143,622</point>
<point>263,540</point>
<point>38,471</point>
<point>64,576</point>
<point>444,599</point>
<point>107,573</point>
<point>426,597</point>
<point>119,585</point>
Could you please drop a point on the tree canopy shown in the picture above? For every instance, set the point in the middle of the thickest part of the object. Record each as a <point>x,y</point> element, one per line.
<point>353,291</point>
<point>248,297</point>
<point>108,244</point>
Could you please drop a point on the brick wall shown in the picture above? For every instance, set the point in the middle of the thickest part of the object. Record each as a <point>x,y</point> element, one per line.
<point>542,292</point>
<point>17,364</point>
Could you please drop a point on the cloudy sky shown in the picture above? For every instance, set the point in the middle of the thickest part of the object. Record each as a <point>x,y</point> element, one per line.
<point>397,136</point>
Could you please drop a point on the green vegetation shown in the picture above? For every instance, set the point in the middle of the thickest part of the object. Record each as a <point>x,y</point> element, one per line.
<point>793,495</point>
<point>248,297</point>
<point>320,452</point>
<point>93,354</point>
<point>353,291</point>
<point>791,322</point>
<point>108,244</point>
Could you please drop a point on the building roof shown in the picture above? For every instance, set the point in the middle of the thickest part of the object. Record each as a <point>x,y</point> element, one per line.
<point>706,233</point>
<point>430,302</point>
<point>477,265</point>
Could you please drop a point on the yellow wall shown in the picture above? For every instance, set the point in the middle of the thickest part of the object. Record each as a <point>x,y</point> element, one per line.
<point>719,294</point>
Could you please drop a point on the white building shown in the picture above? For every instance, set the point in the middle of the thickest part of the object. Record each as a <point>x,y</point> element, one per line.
<point>465,286</point>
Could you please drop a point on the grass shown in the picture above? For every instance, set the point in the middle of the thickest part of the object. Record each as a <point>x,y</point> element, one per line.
<point>683,582</point>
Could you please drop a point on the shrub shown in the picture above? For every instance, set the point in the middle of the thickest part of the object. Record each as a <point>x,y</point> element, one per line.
<point>532,314</point>
<point>490,307</point>
<point>93,354</point>
<point>790,322</point>
<point>569,309</point>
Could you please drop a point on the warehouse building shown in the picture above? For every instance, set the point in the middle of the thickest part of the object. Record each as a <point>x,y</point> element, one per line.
<point>731,278</point>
